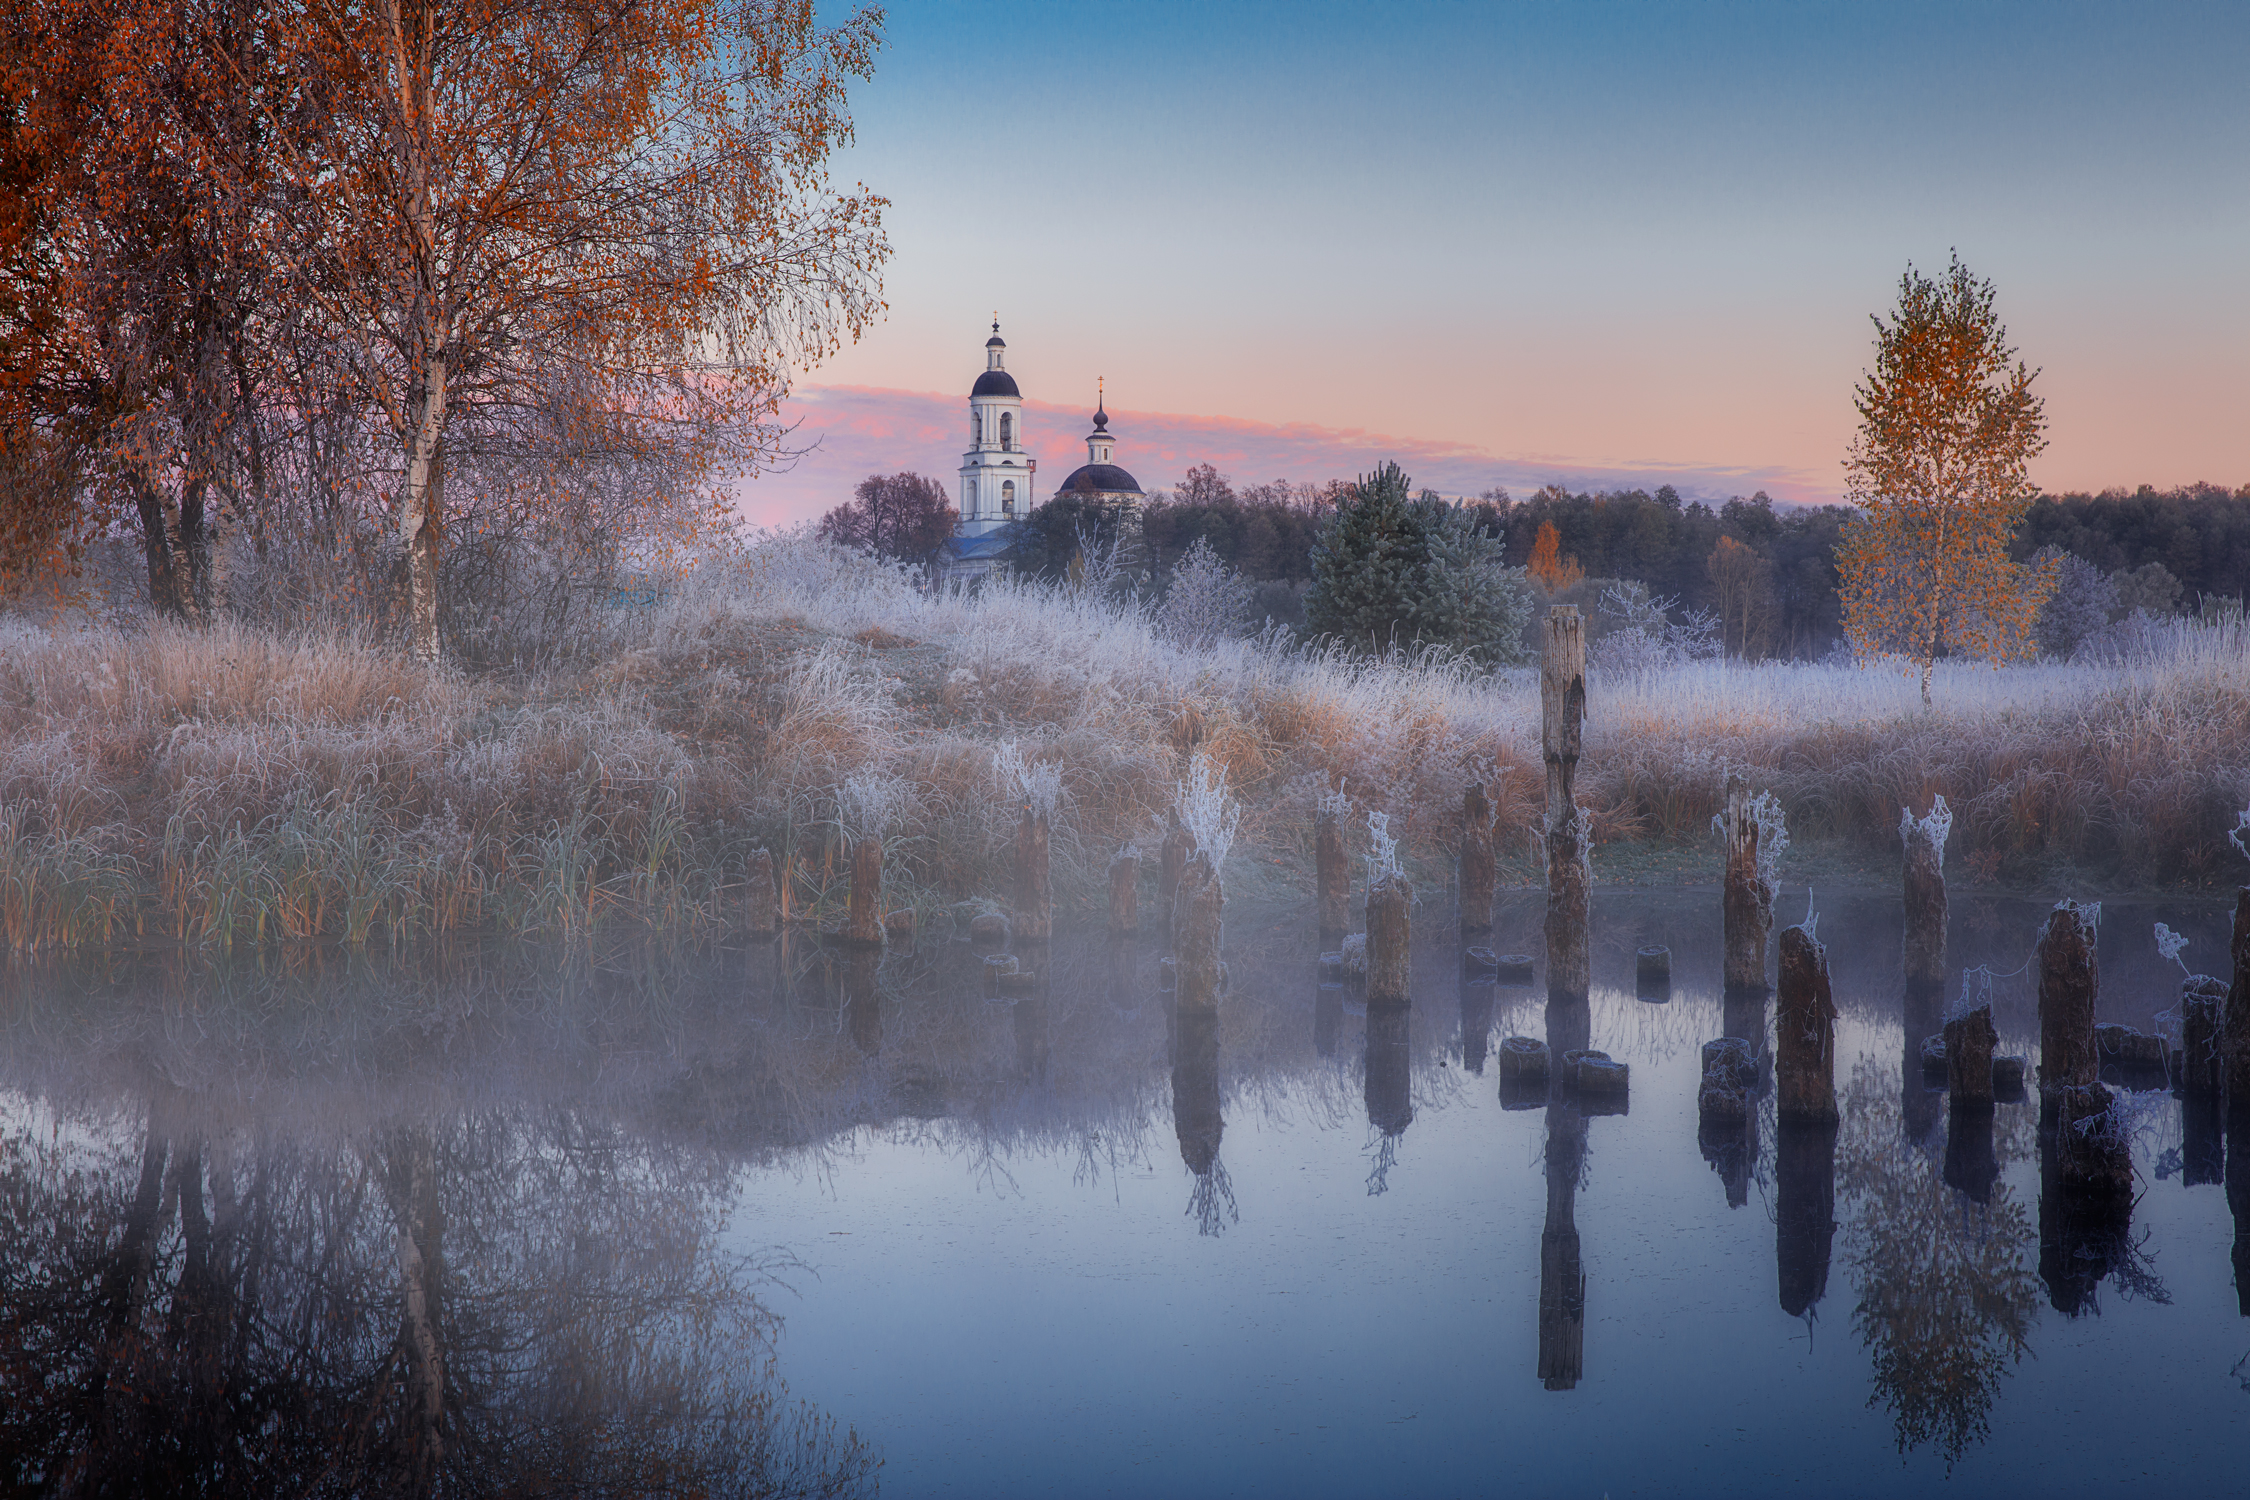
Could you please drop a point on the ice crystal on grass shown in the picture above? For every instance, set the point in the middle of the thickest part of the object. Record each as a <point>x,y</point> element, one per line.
<point>1035,782</point>
<point>869,805</point>
<point>2169,943</point>
<point>1206,811</point>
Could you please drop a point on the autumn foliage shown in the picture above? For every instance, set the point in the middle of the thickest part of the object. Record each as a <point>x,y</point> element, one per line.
<point>1948,424</point>
<point>1548,565</point>
<point>367,284</point>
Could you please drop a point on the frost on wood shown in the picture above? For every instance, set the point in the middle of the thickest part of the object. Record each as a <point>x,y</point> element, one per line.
<point>869,805</point>
<point>1582,839</point>
<point>1382,849</point>
<point>1335,803</point>
<point>1935,826</point>
<point>1206,811</point>
<point>1035,782</point>
<point>1773,836</point>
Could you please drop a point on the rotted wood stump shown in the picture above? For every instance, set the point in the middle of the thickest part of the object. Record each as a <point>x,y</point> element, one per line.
<point>1124,893</point>
<point>1171,863</point>
<point>1031,908</point>
<point>1804,1032</point>
<point>2234,1039</point>
<point>1389,969</point>
<point>1198,904</point>
<point>1746,902</point>
<point>1476,864</point>
<point>1332,875</point>
<point>1562,714</point>
<point>2069,976</point>
<point>1970,1041</point>
<point>863,916</point>
<point>1925,906</point>
<point>764,918</point>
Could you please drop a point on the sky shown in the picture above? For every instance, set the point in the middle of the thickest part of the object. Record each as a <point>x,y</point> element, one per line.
<point>1606,245</point>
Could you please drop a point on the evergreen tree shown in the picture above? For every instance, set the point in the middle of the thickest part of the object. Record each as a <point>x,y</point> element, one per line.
<point>1392,570</point>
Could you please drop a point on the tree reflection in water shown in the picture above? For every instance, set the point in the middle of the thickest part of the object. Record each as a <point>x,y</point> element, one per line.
<point>1947,1297</point>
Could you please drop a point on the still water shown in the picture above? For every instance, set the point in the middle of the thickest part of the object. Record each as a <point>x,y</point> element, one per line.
<point>650,1220</point>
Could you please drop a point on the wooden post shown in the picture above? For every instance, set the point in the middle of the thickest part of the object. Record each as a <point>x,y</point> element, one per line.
<point>1969,1044</point>
<point>1476,871</point>
<point>1030,915</point>
<point>1124,893</point>
<point>1171,862</point>
<point>1562,714</point>
<point>1804,1025</point>
<point>1332,875</point>
<point>2203,1012</point>
<point>2234,1039</point>
<point>2237,1173</point>
<point>1197,907</point>
<point>1388,964</point>
<point>2069,975</point>
<point>765,909</point>
<point>1925,904</point>
<point>1747,901</point>
<point>863,923</point>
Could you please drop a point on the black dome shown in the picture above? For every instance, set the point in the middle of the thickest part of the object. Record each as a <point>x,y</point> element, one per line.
<point>1101,478</point>
<point>995,383</point>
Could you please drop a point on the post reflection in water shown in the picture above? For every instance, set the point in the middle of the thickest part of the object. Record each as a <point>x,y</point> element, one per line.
<point>1478,990</point>
<point>1804,1167</point>
<point>863,1001</point>
<point>1562,1277</point>
<point>2237,1171</point>
<point>1196,1118</point>
<point>1389,1087</point>
<point>1921,1105</point>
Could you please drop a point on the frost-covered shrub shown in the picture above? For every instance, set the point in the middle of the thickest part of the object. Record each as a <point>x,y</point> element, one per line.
<point>1206,600</point>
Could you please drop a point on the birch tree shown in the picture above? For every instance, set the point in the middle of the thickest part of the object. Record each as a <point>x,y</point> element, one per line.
<point>1948,427</point>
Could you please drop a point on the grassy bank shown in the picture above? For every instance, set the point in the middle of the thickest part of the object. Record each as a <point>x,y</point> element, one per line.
<point>232,786</point>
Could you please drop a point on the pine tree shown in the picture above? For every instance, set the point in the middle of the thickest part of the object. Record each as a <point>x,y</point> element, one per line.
<point>1390,570</point>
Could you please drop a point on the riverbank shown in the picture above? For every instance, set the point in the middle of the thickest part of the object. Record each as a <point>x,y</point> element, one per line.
<point>232,785</point>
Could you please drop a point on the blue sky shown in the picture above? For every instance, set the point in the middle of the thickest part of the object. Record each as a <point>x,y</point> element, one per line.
<point>1581,240</point>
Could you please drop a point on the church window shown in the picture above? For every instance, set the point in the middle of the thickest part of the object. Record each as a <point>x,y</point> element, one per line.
<point>1008,432</point>
<point>1008,486</point>
<point>972,496</point>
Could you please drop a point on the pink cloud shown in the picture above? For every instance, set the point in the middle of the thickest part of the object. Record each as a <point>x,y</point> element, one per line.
<point>850,432</point>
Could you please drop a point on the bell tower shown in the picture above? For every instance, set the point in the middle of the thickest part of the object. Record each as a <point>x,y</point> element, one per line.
<point>996,472</point>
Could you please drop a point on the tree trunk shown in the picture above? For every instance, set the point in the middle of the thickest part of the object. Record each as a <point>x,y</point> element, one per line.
<point>420,505</point>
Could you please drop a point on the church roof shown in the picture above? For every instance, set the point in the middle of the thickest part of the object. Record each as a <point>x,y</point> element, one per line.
<point>988,544</point>
<point>1100,479</point>
<point>995,383</point>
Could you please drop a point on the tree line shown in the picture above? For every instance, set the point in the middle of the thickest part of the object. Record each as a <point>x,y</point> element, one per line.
<point>410,311</point>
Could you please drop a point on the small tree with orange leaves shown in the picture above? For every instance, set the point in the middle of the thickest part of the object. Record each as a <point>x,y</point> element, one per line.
<point>1947,429</point>
<point>1554,571</point>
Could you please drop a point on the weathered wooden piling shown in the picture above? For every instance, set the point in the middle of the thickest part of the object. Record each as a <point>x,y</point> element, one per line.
<point>1475,883</point>
<point>1332,874</point>
<point>1729,1089</point>
<point>1562,1275</point>
<point>988,929</point>
<point>1804,1216</point>
<point>1652,970</point>
<point>1389,969</point>
<point>2237,1173</point>
<point>863,1001</point>
<point>1746,902</point>
<point>1562,714</point>
<point>1477,993</point>
<point>899,929</point>
<point>1925,893</point>
<point>1198,904</point>
<point>1031,907</point>
<point>863,914</point>
<point>2203,1011</point>
<point>1171,863</point>
<point>1125,892</point>
<point>764,915</point>
<point>1970,1041</point>
<point>1804,1025</point>
<point>1524,1066</point>
<point>2203,1141</point>
<point>2069,976</point>
<point>2234,1038</point>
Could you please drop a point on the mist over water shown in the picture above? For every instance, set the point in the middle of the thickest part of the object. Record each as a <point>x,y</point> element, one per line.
<point>622,1211</point>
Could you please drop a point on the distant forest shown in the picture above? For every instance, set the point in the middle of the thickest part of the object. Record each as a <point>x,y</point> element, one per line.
<point>1766,572</point>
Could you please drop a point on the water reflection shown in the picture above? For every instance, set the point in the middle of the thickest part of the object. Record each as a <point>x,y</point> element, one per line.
<point>1946,1298</point>
<point>1562,1275</point>
<point>1196,1118</point>
<point>1389,1089</point>
<point>457,1301</point>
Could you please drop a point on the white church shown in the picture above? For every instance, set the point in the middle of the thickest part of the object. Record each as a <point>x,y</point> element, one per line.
<point>996,487</point>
